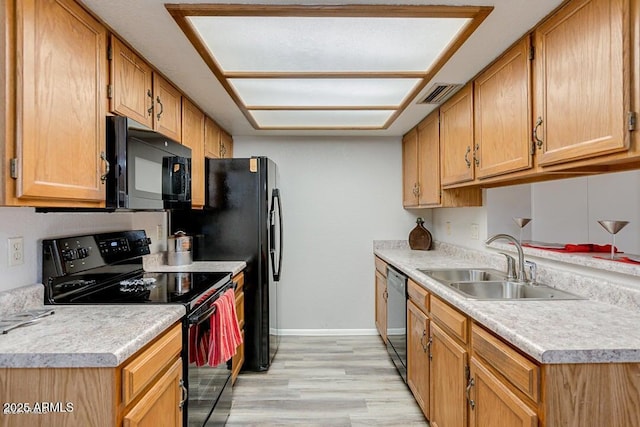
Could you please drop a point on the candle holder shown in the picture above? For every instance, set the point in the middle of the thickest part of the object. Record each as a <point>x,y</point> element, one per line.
<point>612,227</point>
<point>522,222</point>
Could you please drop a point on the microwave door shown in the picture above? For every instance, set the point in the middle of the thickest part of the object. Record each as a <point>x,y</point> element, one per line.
<point>145,175</point>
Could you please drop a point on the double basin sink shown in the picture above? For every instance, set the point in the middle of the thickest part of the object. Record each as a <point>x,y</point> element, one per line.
<point>489,284</point>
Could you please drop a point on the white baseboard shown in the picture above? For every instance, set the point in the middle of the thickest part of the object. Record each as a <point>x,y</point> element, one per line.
<point>327,332</point>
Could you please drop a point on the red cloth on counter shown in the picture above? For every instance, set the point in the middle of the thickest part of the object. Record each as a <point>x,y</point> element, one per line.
<point>580,247</point>
<point>225,330</point>
<point>621,259</point>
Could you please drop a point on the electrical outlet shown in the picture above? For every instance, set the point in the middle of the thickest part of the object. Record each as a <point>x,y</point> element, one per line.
<point>448,228</point>
<point>474,232</point>
<point>159,233</point>
<point>16,251</point>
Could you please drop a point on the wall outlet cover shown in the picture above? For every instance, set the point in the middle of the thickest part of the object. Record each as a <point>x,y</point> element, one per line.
<point>16,251</point>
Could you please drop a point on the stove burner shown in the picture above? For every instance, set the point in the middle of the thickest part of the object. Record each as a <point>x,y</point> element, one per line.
<point>137,285</point>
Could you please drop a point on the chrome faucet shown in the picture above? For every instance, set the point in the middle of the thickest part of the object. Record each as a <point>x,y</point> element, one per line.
<point>521,276</point>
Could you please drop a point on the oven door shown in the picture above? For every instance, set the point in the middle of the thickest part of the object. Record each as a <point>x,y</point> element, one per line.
<point>209,387</point>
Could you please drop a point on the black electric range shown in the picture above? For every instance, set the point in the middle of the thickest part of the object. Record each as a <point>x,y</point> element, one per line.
<point>107,268</point>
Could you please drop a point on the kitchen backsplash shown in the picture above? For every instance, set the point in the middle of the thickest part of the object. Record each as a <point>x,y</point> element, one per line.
<point>33,227</point>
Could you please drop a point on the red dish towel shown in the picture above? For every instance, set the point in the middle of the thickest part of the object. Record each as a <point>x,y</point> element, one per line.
<point>199,344</point>
<point>226,335</point>
<point>580,247</point>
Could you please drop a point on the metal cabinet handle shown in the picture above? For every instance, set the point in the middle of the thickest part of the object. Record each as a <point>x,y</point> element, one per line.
<point>470,384</point>
<point>107,169</point>
<point>223,150</point>
<point>161,108</point>
<point>150,109</point>
<point>476,159</point>
<point>537,140</point>
<point>424,335</point>
<point>185,394</point>
<point>385,295</point>
<point>466,157</point>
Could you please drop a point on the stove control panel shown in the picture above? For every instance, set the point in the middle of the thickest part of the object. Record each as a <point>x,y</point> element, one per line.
<point>70,255</point>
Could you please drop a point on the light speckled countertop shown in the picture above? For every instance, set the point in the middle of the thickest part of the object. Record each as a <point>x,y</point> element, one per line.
<point>569,331</point>
<point>86,335</point>
<point>157,263</point>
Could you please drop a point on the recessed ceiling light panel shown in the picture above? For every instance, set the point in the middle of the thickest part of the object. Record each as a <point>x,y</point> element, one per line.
<point>302,119</point>
<point>323,92</point>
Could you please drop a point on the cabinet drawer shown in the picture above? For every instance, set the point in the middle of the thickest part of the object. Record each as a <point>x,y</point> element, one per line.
<point>146,366</point>
<point>418,295</point>
<point>449,318</point>
<point>520,371</point>
<point>381,266</point>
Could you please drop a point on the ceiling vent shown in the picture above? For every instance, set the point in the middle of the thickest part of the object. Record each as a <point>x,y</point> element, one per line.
<point>440,92</point>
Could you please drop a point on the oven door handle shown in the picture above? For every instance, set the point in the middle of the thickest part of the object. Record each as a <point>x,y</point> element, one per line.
<point>196,320</point>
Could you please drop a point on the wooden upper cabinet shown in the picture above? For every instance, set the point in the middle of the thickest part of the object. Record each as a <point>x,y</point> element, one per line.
<point>226,145</point>
<point>429,161</point>
<point>211,139</point>
<point>502,108</point>
<point>167,108</point>
<point>61,82</point>
<point>137,92</point>
<point>131,84</point>
<point>456,138</point>
<point>410,169</point>
<point>193,137</point>
<point>582,75</point>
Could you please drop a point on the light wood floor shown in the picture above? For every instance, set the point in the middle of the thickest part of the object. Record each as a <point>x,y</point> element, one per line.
<point>326,381</point>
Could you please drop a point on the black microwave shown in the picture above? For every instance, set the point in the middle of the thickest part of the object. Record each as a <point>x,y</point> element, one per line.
<point>148,171</point>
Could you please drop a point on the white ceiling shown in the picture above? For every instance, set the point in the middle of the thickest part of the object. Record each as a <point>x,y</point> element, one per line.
<point>148,27</point>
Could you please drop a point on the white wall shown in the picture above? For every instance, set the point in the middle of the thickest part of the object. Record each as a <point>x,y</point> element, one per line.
<point>34,227</point>
<point>454,225</point>
<point>338,195</point>
<point>567,210</point>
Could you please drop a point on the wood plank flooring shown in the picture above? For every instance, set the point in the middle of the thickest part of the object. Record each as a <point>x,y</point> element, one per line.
<point>326,381</point>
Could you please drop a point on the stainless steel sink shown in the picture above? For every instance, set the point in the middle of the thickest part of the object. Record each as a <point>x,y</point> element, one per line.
<point>504,290</point>
<point>490,284</point>
<point>450,275</point>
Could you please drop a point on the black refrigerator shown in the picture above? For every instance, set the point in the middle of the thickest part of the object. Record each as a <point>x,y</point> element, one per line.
<point>242,221</point>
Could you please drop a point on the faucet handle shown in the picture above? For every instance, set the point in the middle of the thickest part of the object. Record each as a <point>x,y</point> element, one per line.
<point>532,271</point>
<point>511,266</point>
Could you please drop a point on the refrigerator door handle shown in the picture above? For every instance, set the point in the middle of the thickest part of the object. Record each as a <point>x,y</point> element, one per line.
<point>275,198</point>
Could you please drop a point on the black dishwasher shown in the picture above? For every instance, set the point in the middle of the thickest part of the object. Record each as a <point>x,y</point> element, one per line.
<point>397,320</point>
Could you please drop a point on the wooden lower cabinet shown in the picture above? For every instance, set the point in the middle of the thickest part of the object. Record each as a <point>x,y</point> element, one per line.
<point>381,299</point>
<point>448,380</point>
<point>418,365</point>
<point>238,360</point>
<point>146,390</point>
<point>160,406</point>
<point>491,403</point>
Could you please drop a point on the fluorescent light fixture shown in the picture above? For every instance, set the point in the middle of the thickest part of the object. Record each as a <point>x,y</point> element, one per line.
<point>324,67</point>
<point>323,92</point>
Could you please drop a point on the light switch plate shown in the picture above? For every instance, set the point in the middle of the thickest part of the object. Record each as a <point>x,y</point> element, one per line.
<point>474,232</point>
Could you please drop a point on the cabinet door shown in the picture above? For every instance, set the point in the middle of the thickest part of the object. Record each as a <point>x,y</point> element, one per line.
<point>131,84</point>
<point>167,117</point>
<point>429,161</point>
<point>456,138</point>
<point>381,305</point>
<point>61,93</point>
<point>448,381</point>
<point>410,169</point>
<point>161,405</point>
<point>193,137</point>
<point>494,404</point>
<point>582,92</point>
<point>226,145</point>
<point>418,355</point>
<point>502,108</point>
<point>211,139</point>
